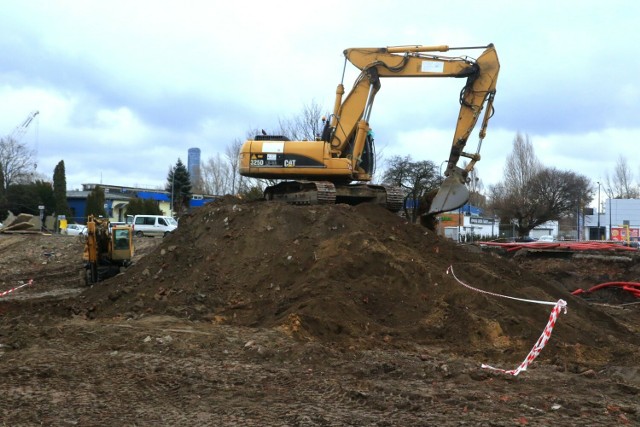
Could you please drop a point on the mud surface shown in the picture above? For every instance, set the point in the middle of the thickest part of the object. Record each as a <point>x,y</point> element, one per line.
<point>261,314</point>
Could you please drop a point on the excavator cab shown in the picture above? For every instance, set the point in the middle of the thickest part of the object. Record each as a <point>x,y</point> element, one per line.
<point>122,242</point>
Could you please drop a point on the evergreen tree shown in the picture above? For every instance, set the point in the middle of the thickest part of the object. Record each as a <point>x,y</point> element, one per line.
<point>25,198</point>
<point>60,190</point>
<point>150,207</point>
<point>133,207</point>
<point>143,207</point>
<point>179,187</point>
<point>95,203</point>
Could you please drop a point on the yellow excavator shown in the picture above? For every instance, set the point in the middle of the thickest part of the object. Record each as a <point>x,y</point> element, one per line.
<point>338,165</point>
<point>108,248</point>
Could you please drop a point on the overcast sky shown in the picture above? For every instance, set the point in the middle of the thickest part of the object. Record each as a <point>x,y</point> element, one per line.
<point>125,88</point>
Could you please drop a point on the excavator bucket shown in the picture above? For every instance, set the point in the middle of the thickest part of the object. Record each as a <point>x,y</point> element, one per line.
<point>451,195</point>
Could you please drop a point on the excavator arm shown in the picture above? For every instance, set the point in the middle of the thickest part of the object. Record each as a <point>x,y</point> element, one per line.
<point>349,124</point>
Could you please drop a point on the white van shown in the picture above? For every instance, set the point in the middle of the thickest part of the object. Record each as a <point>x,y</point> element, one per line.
<point>153,225</point>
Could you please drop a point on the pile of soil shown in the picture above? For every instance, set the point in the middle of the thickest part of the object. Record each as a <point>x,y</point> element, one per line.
<point>265,314</point>
<point>357,277</point>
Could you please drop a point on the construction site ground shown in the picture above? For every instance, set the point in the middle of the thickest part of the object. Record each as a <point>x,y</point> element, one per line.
<point>266,314</point>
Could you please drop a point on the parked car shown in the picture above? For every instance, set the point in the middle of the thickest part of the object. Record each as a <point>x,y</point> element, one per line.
<point>153,225</point>
<point>546,239</point>
<point>525,239</point>
<point>76,230</point>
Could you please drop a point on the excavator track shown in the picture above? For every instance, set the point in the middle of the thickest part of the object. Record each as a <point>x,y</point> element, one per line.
<point>327,193</point>
<point>395,198</point>
<point>303,192</point>
<point>391,198</point>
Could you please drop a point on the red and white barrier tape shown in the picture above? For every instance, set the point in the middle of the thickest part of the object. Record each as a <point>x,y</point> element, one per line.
<point>450,269</point>
<point>544,338</point>
<point>16,288</point>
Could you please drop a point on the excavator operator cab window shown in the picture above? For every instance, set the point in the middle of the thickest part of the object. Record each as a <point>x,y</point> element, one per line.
<point>121,238</point>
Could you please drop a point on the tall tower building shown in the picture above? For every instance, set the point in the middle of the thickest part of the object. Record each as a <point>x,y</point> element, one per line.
<point>193,165</point>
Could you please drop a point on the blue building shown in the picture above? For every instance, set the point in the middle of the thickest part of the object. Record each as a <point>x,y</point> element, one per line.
<point>116,200</point>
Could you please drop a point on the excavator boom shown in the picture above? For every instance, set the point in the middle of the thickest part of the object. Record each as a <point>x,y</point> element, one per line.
<point>480,88</point>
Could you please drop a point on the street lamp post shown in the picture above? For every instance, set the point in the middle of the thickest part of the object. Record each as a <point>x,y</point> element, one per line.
<point>578,220</point>
<point>173,177</point>
<point>609,217</point>
<point>459,223</point>
<point>598,210</point>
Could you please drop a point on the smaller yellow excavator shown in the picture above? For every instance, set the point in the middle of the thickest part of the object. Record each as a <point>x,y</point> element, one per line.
<point>108,249</point>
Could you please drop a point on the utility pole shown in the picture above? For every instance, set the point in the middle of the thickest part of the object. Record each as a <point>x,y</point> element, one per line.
<point>598,210</point>
<point>609,217</point>
<point>578,220</point>
<point>173,177</point>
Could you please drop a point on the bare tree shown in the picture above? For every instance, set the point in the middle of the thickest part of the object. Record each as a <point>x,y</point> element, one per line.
<point>531,195</point>
<point>17,161</point>
<point>232,153</point>
<point>620,185</point>
<point>221,173</point>
<point>216,178</point>
<point>417,178</point>
<point>522,165</point>
<point>306,126</point>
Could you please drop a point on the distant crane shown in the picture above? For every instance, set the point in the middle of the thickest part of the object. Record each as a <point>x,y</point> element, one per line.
<point>18,162</point>
<point>20,130</point>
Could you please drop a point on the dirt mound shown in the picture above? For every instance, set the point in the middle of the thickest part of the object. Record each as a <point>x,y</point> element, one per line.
<point>355,277</point>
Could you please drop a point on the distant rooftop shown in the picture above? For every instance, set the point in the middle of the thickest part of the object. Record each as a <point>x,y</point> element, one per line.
<point>120,189</point>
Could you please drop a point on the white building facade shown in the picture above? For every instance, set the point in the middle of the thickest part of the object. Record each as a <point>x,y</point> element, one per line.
<point>614,219</point>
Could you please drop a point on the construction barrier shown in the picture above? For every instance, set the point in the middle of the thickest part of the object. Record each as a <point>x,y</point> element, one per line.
<point>16,288</point>
<point>546,333</point>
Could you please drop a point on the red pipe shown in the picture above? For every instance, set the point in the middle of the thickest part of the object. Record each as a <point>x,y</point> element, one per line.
<point>631,287</point>
<point>575,246</point>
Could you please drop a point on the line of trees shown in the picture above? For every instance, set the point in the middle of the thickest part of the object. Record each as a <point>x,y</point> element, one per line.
<point>529,194</point>
<point>22,189</point>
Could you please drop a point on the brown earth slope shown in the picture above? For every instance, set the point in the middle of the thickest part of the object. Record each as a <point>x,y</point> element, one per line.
<point>268,314</point>
<point>357,276</point>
